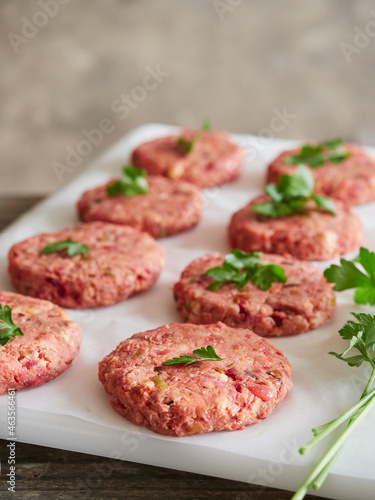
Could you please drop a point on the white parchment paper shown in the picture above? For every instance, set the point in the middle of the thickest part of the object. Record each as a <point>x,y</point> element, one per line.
<point>323,385</point>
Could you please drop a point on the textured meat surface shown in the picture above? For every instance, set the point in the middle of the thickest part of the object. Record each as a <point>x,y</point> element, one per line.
<point>169,208</point>
<point>50,343</point>
<point>305,302</point>
<point>121,261</point>
<point>242,389</point>
<point>313,235</point>
<point>352,180</point>
<point>214,159</point>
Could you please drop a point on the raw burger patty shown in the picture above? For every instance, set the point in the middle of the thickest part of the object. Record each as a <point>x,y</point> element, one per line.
<point>306,301</point>
<point>179,400</point>
<point>313,235</point>
<point>214,159</point>
<point>121,261</point>
<point>50,342</point>
<point>169,208</point>
<point>352,180</point>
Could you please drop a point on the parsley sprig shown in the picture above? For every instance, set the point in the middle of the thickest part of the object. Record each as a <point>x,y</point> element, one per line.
<point>8,329</point>
<point>187,145</point>
<point>361,336</point>
<point>348,275</point>
<point>316,155</point>
<point>242,267</point>
<point>206,354</point>
<point>134,182</point>
<point>72,247</point>
<point>292,194</point>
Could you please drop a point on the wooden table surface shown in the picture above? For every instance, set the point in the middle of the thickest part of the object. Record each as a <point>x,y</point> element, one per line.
<point>46,473</point>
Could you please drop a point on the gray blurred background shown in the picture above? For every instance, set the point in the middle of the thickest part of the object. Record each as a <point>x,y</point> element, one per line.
<point>67,65</point>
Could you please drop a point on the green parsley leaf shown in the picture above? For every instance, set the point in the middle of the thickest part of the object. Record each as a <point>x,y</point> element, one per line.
<point>367,259</point>
<point>339,156</point>
<point>362,338</point>
<point>134,182</point>
<point>206,354</point>
<point>312,155</point>
<point>227,272</point>
<point>73,247</point>
<point>283,209</point>
<point>243,260</point>
<point>292,194</point>
<point>365,295</point>
<point>331,144</point>
<point>348,275</point>
<point>316,155</point>
<point>241,268</point>
<point>268,274</point>
<point>298,185</point>
<point>323,202</point>
<point>8,329</point>
<point>187,145</point>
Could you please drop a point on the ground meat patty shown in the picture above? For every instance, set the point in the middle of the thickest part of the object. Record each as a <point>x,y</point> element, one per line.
<point>169,208</point>
<point>306,301</point>
<point>121,261</point>
<point>50,342</point>
<point>177,400</point>
<point>352,180</point>
<point>214,159</point>
<point>313,235</point>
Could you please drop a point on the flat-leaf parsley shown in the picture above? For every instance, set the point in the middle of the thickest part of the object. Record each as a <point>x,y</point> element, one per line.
<point>292,194</point>
<point>348,275</point>
<point>8,329</point>
<point>134,182</point>
<point>72,247</point>
<point>187,145</point>
<point>316,155</point>
<point>206,354</point>
<point>242,267</point>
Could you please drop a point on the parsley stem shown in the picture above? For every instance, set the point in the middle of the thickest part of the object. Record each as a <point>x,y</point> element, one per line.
<point>322,431</point>
<point>321,477</point>
<point>370,381</point>
<point>365,397</point>
<point>327,459</point>
<point>362,337</point>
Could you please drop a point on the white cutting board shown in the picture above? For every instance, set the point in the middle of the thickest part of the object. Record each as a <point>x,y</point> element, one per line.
<point>72,412</point>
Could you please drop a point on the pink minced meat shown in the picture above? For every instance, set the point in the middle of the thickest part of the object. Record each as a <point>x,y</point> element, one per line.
<point>305,302</point>
<point>352,180</point>
<point>121,261</point>
<point>214,160</point>
<point>50,343</point>
<point>169,208</point>
<point>313,235</point>
<point>242,389</point>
